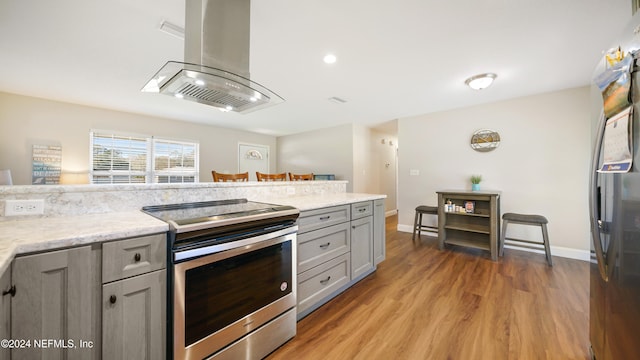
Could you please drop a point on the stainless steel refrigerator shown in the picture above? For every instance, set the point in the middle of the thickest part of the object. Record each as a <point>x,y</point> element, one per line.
<point>614,330</point>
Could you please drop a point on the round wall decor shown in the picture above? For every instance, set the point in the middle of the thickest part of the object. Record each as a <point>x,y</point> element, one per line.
<point>485,140</point>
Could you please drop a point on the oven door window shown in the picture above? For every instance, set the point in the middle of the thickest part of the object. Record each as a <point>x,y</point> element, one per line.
<point>222,292</point>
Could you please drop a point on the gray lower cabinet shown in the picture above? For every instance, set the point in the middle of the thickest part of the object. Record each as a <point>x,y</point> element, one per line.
<point>5,312</point>
<point>133,314</point>
<point>55,304</point>
<point>100,301</point>
<point>335,250</point>
<point>361,247</point>
<point>323,266</point>
<point>134,298</point>
<point>379,231</point>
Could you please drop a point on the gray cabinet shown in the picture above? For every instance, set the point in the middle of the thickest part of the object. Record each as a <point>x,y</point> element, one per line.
<point>323,246</point>
<point>100,301</point>
<point>5,312</point>
<point>479,228</point>
<point>379,232</point>
<point>335,247</point>
<point>361,247</point>
<point>56,300</point>
<point>134,298</point>
<point>133,313</point>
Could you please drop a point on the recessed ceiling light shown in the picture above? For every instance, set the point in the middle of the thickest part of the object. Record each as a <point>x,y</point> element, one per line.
<point>481,81</point>
<point>179,96</point>
<point>329,59</point>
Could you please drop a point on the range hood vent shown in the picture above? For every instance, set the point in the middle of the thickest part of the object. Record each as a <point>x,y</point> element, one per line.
<point>215,70</point>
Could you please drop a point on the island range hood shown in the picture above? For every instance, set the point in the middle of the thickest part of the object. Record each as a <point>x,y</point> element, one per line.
<point>215,70</point>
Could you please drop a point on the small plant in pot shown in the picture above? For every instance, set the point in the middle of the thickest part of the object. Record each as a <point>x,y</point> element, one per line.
<point>475,182</point>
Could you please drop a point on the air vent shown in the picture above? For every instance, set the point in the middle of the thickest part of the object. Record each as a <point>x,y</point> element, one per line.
<point>337,100</point>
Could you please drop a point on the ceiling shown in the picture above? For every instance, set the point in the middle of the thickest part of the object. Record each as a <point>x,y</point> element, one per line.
<point>395,58</point>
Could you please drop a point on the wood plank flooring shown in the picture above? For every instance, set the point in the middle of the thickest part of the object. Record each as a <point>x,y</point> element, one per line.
<point>423,303</point>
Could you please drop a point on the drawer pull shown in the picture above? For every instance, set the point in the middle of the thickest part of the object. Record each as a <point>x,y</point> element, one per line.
<point>11,291</point>
<point>137,257</point>
<point>112,299</point>
<point>324,246</point>
<point>325,281</point>
<point>323,218</point>
<point>362,209</point>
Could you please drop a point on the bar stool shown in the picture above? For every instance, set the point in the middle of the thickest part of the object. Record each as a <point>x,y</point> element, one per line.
<point>535,220</point>
<point>417,223</point>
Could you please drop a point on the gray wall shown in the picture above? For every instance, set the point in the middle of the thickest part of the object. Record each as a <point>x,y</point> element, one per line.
<point>25,121</point>
<point>324,151</point>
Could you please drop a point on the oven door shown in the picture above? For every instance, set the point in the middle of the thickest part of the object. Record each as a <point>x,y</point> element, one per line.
<point>238,287</point>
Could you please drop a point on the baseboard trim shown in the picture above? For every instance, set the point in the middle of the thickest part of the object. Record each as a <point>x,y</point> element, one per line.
<point>391,213</point>
<point>560,251</point>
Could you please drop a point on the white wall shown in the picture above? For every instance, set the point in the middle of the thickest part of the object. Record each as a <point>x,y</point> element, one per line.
<point>25,121</point>
<point>324,151</point>
<point>384,166</point>
<point>351,152</point>
<point>541,166</point>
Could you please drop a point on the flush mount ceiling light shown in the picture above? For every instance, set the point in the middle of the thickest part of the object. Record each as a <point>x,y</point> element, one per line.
<point>481,81</point>
<point>329,59</point>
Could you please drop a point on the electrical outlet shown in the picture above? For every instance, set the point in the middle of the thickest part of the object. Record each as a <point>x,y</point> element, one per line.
<point>23,207</point>
<point>291,190</point>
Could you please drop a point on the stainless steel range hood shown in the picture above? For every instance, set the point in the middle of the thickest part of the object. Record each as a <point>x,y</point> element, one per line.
<point>215,70</point>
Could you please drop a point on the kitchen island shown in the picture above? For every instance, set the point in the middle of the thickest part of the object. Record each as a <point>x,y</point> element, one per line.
<point>112,251</point>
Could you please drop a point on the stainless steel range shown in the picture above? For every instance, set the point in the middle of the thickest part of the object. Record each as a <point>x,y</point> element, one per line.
<point>232,278</point>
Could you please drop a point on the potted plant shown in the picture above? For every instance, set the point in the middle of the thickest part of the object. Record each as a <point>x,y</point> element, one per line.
<point>475,182</point>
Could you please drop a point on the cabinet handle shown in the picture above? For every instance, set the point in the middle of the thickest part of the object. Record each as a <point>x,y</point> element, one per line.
<point>362,209</point>
<point>112,299</point>
<point>11,291</point>
<point>324,246</point>
<point>323,218</point>
<point>137,257</point>
<point>325,281</point>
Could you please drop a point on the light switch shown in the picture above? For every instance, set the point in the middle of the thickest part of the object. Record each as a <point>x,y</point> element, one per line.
<point>414,172</point>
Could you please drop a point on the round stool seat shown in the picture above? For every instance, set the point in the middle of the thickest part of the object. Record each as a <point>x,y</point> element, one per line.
<point>427,209</point>
<point>533,219</point>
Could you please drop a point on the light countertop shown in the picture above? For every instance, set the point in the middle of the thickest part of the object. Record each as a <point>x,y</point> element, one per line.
<point>50,233</point>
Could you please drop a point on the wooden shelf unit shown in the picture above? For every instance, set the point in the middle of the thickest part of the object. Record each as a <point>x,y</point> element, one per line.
<point>480,229</point>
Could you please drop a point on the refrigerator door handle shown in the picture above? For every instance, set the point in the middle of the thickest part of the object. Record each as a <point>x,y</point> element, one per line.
<point>594,208</point>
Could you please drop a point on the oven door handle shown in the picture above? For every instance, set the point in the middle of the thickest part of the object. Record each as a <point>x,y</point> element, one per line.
<point>179,256</point>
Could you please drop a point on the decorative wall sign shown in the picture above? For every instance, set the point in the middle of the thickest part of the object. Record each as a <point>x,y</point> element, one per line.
<point>253,155</point>
<point>47,161</point>
<point>485,140</point>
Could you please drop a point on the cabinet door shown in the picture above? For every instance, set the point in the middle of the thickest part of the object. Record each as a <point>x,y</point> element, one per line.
<point>5,312</point>
<point>361,247</point>
<point>55,303</point>
<point>133,317</point>
<point>379,235</point>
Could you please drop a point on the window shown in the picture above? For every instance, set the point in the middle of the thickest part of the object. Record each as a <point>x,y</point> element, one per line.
<point>135,159</point>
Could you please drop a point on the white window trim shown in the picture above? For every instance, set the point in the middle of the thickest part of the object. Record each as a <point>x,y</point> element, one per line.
<point>149,173</point>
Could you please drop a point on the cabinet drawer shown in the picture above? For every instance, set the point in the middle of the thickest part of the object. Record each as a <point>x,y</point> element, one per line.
<point>318,246</point>
<point>125,258</point>
<point>322,280</point>
<point>361,209</point>
<point>317,219</point>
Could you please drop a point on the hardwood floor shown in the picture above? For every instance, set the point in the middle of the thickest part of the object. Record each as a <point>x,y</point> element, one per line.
<point>423,303</point>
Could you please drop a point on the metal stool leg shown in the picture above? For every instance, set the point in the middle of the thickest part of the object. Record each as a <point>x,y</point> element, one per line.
<point>547,249</point>
<point>502,236</point>
<point>415,227</point>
